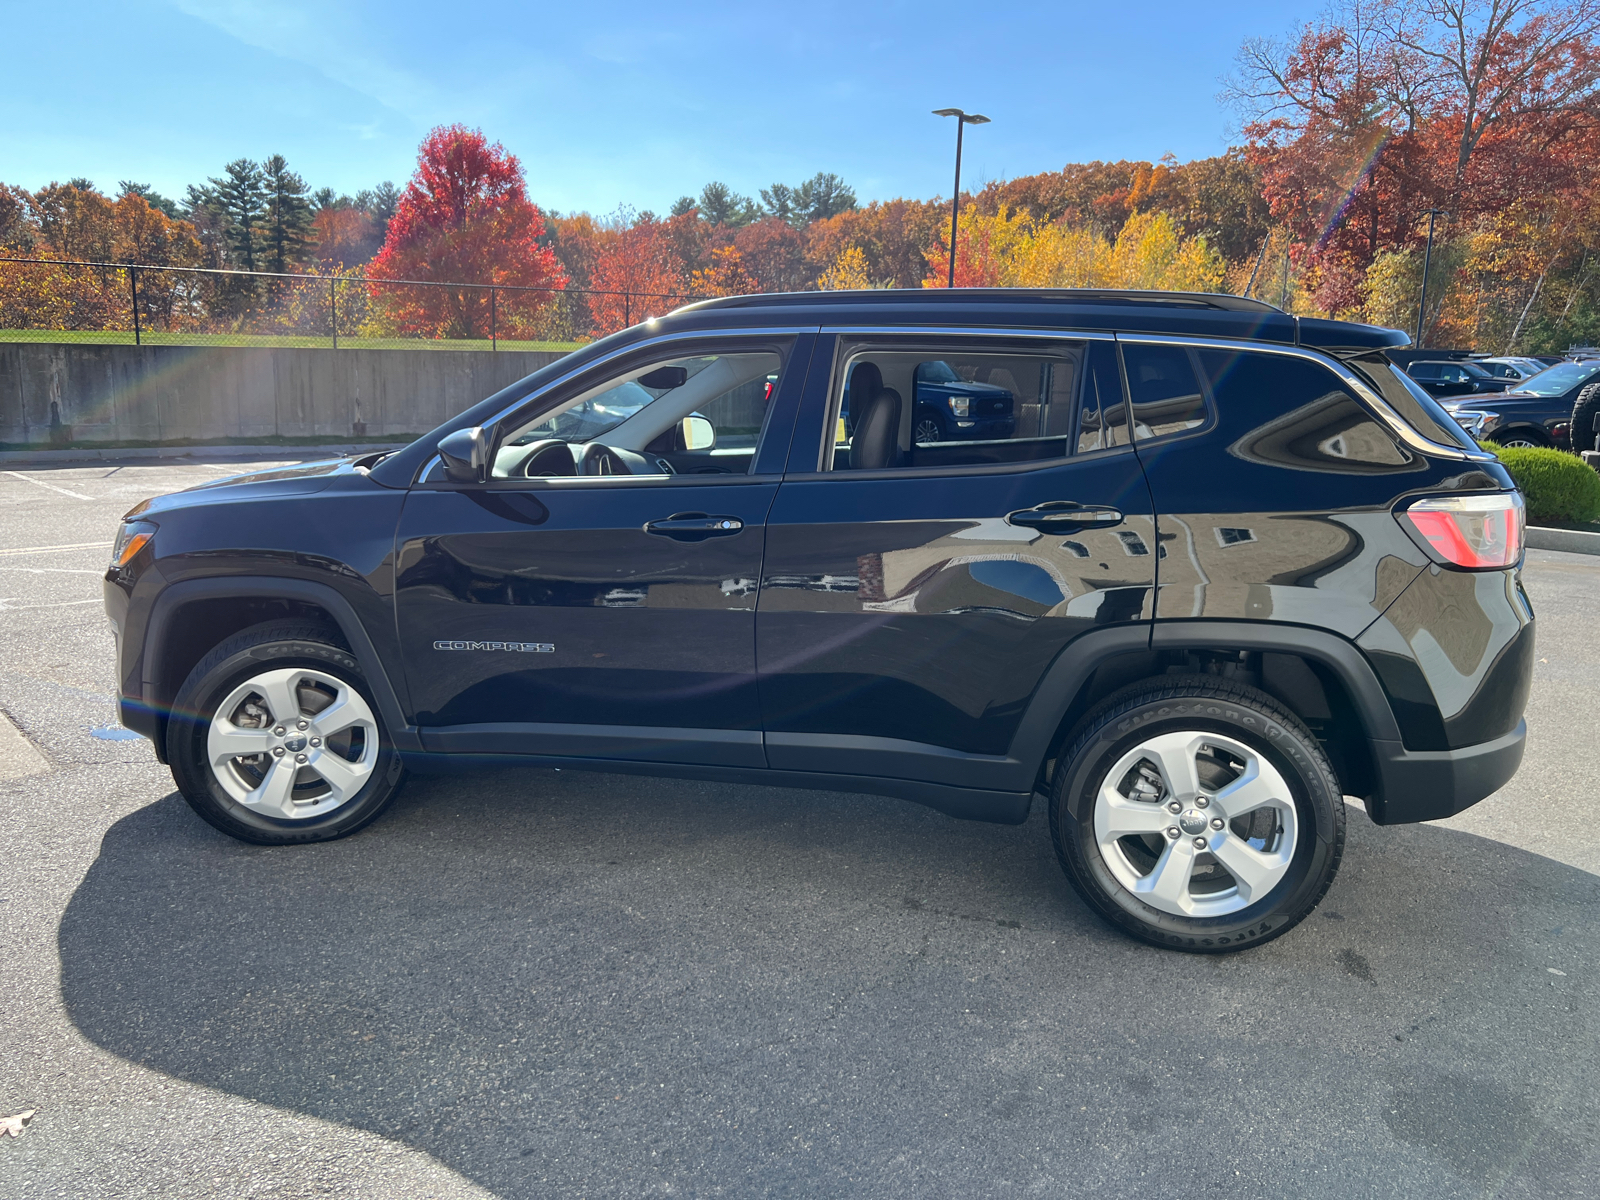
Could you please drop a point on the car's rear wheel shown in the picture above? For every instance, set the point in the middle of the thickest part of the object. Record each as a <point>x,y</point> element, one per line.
<point>1197,814</point>
<point>274,738</point>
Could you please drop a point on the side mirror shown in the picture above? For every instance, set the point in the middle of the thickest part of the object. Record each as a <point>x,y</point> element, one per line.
<point>697,433</point>
<point>466,454</point>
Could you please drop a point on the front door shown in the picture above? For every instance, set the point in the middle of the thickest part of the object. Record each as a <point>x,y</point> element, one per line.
<point>914,593</point>
<point>596,597</point>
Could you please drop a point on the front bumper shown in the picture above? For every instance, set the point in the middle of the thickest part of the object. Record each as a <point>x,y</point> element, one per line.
<point>1428,785</point>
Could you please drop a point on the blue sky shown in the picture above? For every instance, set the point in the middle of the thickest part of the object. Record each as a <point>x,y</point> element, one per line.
<point>618,101</point>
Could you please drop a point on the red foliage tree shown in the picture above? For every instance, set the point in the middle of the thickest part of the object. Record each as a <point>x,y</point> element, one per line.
<point>774,252</point>
<point>465,218</point>
<point>637,272</point>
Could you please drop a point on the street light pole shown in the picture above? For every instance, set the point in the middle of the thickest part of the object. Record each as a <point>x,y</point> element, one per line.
<point>1427,261</point>
<point>962,121</point>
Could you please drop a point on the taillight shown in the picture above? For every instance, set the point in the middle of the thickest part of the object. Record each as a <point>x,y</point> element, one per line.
<point>1480,533</point>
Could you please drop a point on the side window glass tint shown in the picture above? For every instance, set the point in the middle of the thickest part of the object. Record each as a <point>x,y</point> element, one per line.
<point>1103,416</point>
<point>695,413</point>
<point>1284,411</point>
<point>1164,390</point>
<point>899,406</point>
<point>1414,406</point>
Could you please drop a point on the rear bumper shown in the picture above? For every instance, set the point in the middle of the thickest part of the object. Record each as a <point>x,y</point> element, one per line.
<point>1427,785</point>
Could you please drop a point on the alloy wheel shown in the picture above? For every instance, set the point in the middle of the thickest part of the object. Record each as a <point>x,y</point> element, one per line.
<point>1195,824</point>
<point>293,743</point>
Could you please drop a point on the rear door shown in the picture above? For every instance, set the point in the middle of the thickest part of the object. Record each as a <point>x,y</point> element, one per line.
<point>593,599</point>
<point>913,595</point>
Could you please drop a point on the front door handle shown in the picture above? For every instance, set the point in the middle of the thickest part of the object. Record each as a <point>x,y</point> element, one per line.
<point>694,526</point>
<point>1064,516</point>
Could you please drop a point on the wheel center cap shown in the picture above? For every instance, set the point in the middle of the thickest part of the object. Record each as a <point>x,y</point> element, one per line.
<point>297,742</point>
<point>1192,821</point>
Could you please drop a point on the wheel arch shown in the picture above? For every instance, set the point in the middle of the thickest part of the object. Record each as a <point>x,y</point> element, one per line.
<point>1323,678</point>
<point>189,619</point>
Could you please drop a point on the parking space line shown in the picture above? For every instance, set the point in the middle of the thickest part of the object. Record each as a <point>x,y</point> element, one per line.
<point>7,606</point>
<point>50,486</point>
<point>55,549</point>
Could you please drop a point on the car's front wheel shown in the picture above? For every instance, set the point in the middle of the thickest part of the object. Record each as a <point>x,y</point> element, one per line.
<point>927,428</point>
<point>274,738</point>
<point>1197,814</point>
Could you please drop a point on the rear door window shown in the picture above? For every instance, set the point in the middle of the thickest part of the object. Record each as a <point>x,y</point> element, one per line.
<point>907,405</point>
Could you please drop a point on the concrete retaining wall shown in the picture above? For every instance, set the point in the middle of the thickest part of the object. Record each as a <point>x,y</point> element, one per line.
<point>161,393</point>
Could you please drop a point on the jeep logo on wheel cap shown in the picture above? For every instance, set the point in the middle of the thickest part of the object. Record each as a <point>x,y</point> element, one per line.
<point>1192,821</point>
<point>297,743</point>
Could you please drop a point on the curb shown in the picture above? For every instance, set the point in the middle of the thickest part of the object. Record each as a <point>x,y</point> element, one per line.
<point>1573,541</point>
<point>86,454</point>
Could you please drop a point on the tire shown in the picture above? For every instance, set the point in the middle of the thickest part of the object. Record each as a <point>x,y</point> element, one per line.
<point>329,724</point>
<point>1520,439</point>
<point>1252,766</point>
<point>926,427</point>
<point>1582,435</point>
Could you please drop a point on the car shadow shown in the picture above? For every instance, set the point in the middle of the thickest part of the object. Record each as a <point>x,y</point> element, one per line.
<point>561,983</point>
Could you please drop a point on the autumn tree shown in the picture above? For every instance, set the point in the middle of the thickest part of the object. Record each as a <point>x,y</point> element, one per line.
<point>774,252</point>
<point>1388,108</point>
<point>465,218</point>
<point>637,271</point>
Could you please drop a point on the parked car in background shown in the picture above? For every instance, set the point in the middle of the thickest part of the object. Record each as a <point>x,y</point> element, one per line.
<point>1446,378</point>
<point>1537,413</point>
<point>1511,367</point>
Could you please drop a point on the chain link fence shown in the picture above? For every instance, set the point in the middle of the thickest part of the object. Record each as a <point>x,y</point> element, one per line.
<point>47,300</point>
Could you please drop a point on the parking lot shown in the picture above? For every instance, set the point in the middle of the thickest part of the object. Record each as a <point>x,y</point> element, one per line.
<point>539,983</point>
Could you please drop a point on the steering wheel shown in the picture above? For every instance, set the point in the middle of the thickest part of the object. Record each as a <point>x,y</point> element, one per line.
<point>548,457</point>
<point>591,458</point>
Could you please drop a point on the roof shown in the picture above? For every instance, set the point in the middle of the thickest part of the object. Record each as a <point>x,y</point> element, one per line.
<point>1206,314</point>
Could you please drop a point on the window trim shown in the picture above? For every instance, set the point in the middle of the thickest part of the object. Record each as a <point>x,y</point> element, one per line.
<point>844,334</point>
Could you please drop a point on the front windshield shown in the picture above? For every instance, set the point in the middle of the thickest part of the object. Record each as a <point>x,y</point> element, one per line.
<point>1559,379</point>
<point>937,372</point>
<point>595,416</point>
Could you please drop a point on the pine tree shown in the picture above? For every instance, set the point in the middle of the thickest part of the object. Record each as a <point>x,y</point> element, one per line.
<point>240,201</point>
<point>287,218</point>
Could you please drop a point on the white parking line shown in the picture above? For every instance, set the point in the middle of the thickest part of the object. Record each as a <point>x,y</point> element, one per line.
<point>56,549</point>
<point>52,487</point>
<point>7,606</point>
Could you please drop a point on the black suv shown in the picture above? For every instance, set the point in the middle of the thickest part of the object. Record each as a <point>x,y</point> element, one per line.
<point>1228,567</point>
<point>1456,378</point>
<point>1540,411</point>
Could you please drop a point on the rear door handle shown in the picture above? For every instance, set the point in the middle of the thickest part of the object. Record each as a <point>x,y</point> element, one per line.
<point>1063,516</point>
<point>694,526</point>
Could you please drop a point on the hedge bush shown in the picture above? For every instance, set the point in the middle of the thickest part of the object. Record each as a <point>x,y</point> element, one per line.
<point>1556,485</point>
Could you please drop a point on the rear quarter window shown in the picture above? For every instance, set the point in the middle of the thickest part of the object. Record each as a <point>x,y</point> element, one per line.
<point>1416,408</point>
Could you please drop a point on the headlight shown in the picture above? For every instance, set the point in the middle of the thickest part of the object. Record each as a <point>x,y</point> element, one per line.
<point>960,405</point>
<point>1474,420</point>
<point>131,538</point>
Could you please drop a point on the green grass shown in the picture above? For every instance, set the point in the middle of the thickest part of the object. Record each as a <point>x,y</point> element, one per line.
<point>117,337</point>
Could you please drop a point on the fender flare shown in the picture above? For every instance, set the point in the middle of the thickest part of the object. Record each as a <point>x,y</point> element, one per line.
<point>1066,677</point>
<point>256,587</point>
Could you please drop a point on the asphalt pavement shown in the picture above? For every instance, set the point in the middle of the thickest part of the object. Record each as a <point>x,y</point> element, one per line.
<point>538,983</point>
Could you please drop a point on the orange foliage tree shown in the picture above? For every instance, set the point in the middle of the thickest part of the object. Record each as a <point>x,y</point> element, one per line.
<point>465,218</point>
<point>638,272</point>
